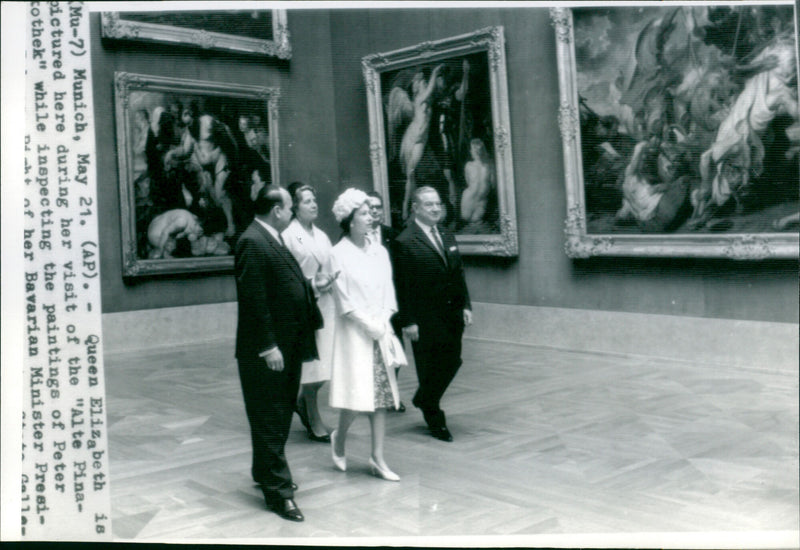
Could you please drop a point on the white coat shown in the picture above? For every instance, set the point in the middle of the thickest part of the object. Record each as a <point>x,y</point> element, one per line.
<point>365,298</point>
<point>312,251</point>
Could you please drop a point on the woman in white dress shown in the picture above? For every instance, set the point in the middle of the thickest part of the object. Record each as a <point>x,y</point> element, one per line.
<point>312,249</point>
<point>365,350</point>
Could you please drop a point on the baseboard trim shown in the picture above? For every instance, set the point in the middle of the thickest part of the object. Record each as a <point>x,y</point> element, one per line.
<point>747,344</point>
<point>168,327</point>
<point>765,346</point>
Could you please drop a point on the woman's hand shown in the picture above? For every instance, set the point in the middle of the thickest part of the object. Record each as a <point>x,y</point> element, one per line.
<point>323,282</point>
<point>375,329</point>
<point>371,326</point>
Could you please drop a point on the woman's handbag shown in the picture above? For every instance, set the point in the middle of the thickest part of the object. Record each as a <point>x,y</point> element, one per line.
<point>392,350</point>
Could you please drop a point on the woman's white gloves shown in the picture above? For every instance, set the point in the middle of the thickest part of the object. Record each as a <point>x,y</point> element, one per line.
<point>373,327</point>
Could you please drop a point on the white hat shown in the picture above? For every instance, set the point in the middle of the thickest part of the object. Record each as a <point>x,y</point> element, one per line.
<point>348,201</point>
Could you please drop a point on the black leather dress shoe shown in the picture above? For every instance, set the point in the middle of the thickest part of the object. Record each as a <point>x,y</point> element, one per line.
<point>441,433</point>
<point>286,508</point>
<point>294,487</point>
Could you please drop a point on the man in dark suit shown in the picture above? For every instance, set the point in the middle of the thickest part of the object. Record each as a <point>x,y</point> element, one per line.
<point>277,319</point>
<point>385,235</point>
<point>434,304</point>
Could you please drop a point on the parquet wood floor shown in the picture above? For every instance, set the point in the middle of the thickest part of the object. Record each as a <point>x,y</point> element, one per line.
<point>546,442</point>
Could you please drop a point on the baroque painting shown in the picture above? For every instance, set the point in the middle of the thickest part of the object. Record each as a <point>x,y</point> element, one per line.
<point>681,129</point>
<point>192,155</point>
<point>262,32</point>
<point>439,118</point>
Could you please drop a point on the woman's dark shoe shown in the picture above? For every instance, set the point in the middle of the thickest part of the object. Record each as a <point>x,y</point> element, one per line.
<point>319,438</point>
<point>300,409</point>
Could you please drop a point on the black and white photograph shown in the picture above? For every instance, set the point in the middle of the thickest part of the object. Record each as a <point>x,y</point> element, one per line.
<point>429,275</point>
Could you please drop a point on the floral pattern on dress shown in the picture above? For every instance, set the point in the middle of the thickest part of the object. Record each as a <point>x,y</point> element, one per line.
<point>383,391</point>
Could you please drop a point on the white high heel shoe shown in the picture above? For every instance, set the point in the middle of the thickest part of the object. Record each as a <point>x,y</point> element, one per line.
<point>339,461</point>
<point>386,473</point>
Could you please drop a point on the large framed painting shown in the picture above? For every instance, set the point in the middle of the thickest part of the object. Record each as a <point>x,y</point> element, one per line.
<point>192,155</point>
<point>681,130</point>
<point>438,117</point>
<point>262,32</point>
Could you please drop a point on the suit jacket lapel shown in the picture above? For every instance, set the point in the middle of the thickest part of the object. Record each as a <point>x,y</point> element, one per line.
<point>281,251</point>
<point>314,316</point>
<point>307,241</point>
<point>422,237</point>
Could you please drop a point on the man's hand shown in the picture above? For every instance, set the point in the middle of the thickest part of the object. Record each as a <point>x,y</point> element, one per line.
<point>274,359</point>
<point>467,317</point>
<point>412,331</point>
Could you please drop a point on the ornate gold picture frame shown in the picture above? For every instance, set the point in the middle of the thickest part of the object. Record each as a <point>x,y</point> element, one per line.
<point>262,32</point>
<point>438,116</point>
<point>191,156</point>
<point>681,134</point>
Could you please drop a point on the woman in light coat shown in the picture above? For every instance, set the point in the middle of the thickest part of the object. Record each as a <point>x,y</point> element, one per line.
<point>365,350</point>
<point>311,247</point>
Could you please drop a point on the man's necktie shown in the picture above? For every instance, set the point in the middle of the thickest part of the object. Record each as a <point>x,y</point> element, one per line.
<point>438,241</point>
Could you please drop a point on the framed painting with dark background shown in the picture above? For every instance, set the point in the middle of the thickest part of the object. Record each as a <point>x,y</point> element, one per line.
<point>680,129</point>
<point>191,154</point>
<point>262,32</point>
<point>438,116</point>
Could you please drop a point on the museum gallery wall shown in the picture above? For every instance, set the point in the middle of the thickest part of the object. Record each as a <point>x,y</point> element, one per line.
<point>324,139</point>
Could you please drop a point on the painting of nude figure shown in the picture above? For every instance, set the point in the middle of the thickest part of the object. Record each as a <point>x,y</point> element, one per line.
<point>681,130</point>
<point>439,118</point>
<point>192,154</point>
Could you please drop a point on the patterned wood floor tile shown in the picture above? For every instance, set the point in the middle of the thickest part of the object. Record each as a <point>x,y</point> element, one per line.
<point>546,442</point>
